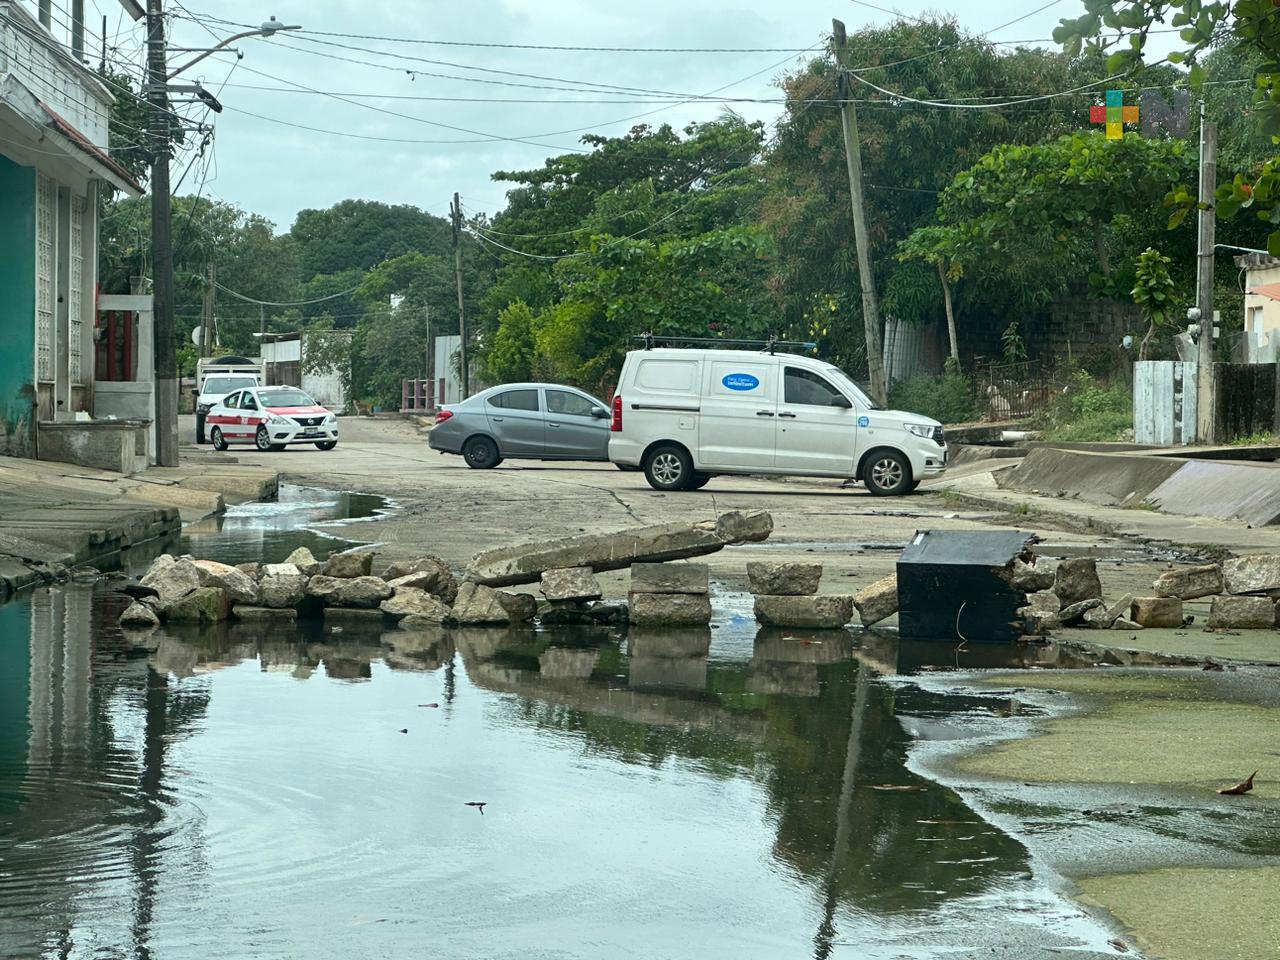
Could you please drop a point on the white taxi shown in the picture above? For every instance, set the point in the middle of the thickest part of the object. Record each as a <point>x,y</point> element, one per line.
<point>271,418</point>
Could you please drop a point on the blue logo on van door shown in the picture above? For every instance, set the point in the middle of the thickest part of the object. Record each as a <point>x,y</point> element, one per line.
<point>864,421</point>
<point>740,381</point>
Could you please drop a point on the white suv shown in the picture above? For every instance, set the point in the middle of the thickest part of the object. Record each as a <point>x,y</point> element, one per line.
<point>684,416</point>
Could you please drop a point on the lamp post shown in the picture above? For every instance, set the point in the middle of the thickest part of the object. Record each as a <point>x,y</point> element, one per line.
<point>166,356</point>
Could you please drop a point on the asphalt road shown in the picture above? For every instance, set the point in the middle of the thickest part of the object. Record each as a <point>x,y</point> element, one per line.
<point>450,510</point>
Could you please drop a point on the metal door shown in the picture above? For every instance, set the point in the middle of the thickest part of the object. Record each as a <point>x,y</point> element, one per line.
<point>814,436</point>
<point>738,418</point>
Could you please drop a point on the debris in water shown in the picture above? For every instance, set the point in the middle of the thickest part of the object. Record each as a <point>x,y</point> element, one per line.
<point>1120,945</point>
<point>479,805</point>
<point>1240,789</point>
<point>902,787</point>
<point>432,705</point>
<point>405,730</point>
<point>1212,665</point>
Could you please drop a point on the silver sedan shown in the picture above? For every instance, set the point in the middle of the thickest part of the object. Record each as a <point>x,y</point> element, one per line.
<point>531,421</point>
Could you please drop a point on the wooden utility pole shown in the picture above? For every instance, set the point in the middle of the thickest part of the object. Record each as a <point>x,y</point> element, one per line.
<point>456,215</point>
<point>866,279</point>
<point>206,313</point>
<point>1206,414</point>
<point>166,357</point>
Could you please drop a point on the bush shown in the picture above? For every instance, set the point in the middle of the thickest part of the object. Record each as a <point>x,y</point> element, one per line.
<point>1089,412</point>
<point>947,397</point>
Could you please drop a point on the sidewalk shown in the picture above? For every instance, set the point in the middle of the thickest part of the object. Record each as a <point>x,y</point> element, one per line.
<point>62,514</point>
<point>975,484</point>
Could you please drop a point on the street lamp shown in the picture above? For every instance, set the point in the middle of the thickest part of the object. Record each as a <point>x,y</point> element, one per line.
<point>268,29</point>
<point>166,348</point>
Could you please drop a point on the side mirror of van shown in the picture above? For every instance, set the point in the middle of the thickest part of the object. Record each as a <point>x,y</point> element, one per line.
<point>840,400</point>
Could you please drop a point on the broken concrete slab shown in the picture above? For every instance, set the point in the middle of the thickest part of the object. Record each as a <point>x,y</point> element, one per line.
<point>520,607</point>
<point>1118,609</point>
<point>415,602</point>
<point>1076,579</point>
<point>283,585</point>
<point>347,566</point>
<point>1032,577</point>
<point>877,601</point>
<point>171,578</point>
<point>525,563</point>
<point>669,609</point>
<point>428,573</point>
<point>570,583</point>
<point>139,615</point>
<point>1157,611</point>
<point>1257,573</point>
<point>780,579</point>
<point>1189,583</point>
<point>814,612</point>
<point>1123,623</point>
<point>1242,613</point>
<point>305,561</point>
<point>478,604</point>
<point>1075,612</point>
<point>692,578</point>
<point>240,587</point>
<point>201,605</point>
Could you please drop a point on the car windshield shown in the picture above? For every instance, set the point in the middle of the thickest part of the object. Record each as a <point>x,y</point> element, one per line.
<point>846,381</point>
<point>285,397</point>
<point>221,386</point>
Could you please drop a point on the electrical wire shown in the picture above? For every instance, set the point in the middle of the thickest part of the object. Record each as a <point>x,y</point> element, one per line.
<point>289,303</point>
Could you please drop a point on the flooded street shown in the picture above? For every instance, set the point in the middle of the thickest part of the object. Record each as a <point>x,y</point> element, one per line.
<point>268,791</point>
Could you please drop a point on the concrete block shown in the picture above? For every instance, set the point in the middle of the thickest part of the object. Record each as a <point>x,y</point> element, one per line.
<point>775,579</point>
<point>1157,611</point>
<point>570,583</point>
<point>478,604</point>
<point>1076,579</point>
<point>662,609</point>
<point>818,612</point>
<point>415,602</point>
<point>1243,613</point>
<point>670,578</point>
<point>877,601</point>
<point>1256,573</point>
<point>202,605</point>
<point>347,566</point>
<point>1189,583</point>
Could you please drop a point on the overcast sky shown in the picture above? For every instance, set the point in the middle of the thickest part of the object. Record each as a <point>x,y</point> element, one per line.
<point>274,169</point>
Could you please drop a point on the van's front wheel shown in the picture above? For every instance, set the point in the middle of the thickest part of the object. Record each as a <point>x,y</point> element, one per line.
<point>668,468</point>
<point>887,474</point>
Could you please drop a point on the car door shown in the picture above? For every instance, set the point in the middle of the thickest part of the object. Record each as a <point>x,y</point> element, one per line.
<point>738,419</point>
<point>577,426</point>
<point>817,425</point>
<point>225,415</point>
<point>250,415</point>
<point>515,419</point>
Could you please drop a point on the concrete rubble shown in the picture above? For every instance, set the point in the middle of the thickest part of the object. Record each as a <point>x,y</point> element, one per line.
<point>677,594</point>
<point>570,583</point>
<point>1242,613</point>
<point>1157,611</point>
<point>1189,583</point>
<point>783,579</point>
<point>1258,573</point>
<point>877,601</point>
<point>1076,579</point>
<point>525,563</point>
<point>824,612</point>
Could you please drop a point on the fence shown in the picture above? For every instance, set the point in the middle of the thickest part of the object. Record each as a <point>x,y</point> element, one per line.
<point>421,396</point>
<point>1247,401</point>
<point>1012,391</point>
<point>1164,402</point>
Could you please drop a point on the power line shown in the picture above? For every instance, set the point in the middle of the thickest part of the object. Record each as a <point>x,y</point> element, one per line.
<point>289,303</point>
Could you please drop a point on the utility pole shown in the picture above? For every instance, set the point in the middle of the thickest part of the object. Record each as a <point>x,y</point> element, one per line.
<point>1206,415</point>
<point>166,384</point>
<point>206,314</point>
<point>866,279</point>
<point>456,215</point>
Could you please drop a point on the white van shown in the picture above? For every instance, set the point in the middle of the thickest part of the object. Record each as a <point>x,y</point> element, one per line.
<point>685,416</point>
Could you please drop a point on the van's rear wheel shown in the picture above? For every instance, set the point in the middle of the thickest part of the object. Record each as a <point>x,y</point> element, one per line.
<point>668,468</point>
<point>887,474</point>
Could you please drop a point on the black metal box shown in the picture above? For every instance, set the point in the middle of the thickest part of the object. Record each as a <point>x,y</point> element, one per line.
<point>954,585</point>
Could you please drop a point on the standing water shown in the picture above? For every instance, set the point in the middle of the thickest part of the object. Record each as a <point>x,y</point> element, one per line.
<point>268,792</point>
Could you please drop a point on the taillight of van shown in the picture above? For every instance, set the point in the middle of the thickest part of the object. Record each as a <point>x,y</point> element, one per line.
<point>616,425</point>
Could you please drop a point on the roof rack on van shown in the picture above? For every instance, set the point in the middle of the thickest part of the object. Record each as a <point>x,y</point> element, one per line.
<point>765,346</point>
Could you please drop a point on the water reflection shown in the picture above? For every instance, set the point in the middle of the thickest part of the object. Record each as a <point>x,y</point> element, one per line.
<point>269,531</point>
<point>266,792</point>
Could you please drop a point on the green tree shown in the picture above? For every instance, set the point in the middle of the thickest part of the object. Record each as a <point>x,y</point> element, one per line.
<point>1153,291</point>
<point>511,358</point>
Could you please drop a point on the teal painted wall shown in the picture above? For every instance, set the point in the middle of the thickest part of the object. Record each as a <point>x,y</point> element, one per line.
<point>15,696</point>
<point>17,306</point>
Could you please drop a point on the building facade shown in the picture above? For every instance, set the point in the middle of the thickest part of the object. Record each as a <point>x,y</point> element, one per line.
<point>1261,307</point>
<point>54,166</point>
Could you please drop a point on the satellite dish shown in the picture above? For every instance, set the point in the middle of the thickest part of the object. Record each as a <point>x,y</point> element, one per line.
<point>197,335</point>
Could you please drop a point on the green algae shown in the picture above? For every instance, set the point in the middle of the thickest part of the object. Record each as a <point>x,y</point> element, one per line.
<point>1194,913</point>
